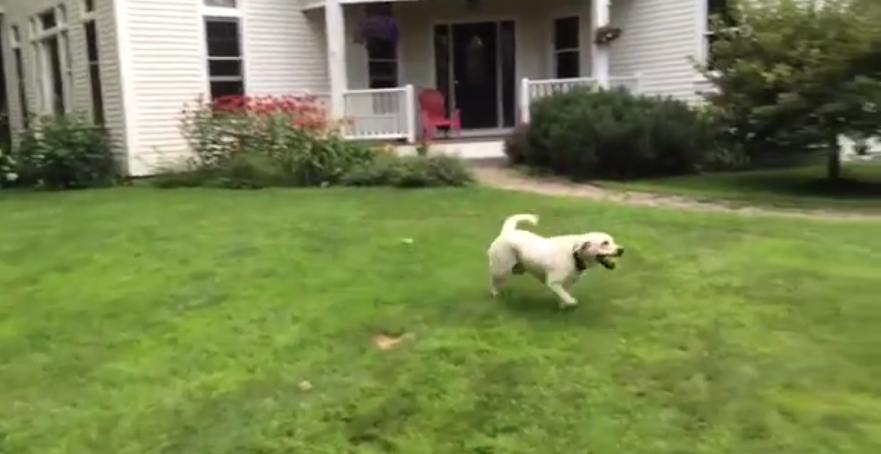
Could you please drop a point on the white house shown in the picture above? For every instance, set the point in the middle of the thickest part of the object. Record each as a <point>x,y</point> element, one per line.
<point>133,63</point>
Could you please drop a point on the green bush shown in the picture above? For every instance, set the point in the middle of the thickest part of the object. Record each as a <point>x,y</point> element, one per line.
<point>65,152</point>
<point>246,171</point>
<point>183,177</point>
<point>613,134</point>
<point>410,172</point>
<point>240,171</point>
<point>516,146</point>
<point>8,169</point>
<point>729,153</point>
<point>793,76</point>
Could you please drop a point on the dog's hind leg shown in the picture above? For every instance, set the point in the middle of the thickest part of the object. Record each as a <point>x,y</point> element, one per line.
<point>495,283</point>
<point>501,264</point>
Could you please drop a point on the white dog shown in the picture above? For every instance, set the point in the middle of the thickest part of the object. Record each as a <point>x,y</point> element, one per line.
<point>557,261</point>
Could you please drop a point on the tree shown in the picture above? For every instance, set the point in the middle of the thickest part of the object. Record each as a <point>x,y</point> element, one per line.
<point>795,74</point>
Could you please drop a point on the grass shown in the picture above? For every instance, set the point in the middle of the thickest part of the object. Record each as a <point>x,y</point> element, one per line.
<point>191,321</point>
<point>800,187</point>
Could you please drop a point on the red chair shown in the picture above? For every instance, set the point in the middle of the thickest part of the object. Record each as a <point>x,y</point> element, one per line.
<point>433,114</point>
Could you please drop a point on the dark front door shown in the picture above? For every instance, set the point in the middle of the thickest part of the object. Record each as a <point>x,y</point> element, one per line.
<point>475,73</point>
<point>475,70</point>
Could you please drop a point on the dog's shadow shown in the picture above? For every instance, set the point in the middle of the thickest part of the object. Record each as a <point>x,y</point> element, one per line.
<point>546,308</point>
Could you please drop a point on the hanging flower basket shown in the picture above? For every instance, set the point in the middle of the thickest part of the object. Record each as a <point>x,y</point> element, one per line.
<point>606,34</point>
<point>383,28</point>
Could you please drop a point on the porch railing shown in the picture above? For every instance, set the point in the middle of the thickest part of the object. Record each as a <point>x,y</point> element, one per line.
<point>533,90</point>
<point>386,113</point>
<point>378,113</point>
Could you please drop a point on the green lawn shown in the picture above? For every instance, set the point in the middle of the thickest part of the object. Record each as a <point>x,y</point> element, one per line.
<point>801,187</point>
<point>186,322</point>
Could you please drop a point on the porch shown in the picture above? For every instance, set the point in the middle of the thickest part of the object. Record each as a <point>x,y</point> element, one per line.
<point>491,62</point>
<point>393,113</point>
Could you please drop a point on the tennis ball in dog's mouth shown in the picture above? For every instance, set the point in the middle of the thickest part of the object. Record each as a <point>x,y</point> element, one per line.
<point>607,261</point>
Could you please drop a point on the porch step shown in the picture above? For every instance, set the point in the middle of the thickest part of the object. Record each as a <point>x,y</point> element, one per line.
<point>487,162</point>
<point>470,150</point>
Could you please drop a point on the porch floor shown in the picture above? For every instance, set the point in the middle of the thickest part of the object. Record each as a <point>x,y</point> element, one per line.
<point>465,148</point>
<point>473,135</point>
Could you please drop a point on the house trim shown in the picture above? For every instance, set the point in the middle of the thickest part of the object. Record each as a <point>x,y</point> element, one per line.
<point>701,18</point>
<point>88,19</point>
<point>17,39</point>
<point>219,11</point>
<point>702,51</point>
<point>600,54</point>
<point>337,69</point>
<point>126,82</point>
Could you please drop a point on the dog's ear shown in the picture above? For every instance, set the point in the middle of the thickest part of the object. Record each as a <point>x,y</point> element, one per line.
<point>581,248</point>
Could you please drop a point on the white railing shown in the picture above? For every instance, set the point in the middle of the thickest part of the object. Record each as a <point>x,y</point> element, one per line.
<point>377,113</point>
<point>310,4</point>
<point>533,90</point>
<point>386,113</point>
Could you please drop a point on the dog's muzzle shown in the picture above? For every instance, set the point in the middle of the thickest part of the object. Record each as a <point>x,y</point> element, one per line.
<point>608,260</point>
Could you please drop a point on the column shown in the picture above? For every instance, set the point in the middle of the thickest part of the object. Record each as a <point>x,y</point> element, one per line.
<point>335,25</point>
<point>599,17</point>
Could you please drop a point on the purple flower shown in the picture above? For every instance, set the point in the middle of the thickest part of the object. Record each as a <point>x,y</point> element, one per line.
<point>377,28</point>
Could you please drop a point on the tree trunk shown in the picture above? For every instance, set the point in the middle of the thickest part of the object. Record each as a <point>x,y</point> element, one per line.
<point>833,160</point>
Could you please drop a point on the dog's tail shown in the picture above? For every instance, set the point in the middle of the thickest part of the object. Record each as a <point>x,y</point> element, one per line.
<point>512,221</point>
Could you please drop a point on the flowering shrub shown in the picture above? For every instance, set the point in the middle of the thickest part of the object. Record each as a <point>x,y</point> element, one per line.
<point>292,138</point>
<point>245,142</point>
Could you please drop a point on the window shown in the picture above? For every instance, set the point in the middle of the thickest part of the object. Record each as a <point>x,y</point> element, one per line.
<point>567,59</point>
<point>382,62</point>
<point>95,86</point>
<point>382,72</point>
<point>52,63</point>
<point>47,20</point>
<point>382,55</point>
<point>716,10</point>
<point>18,62</point>
<point>225,72</point>
<point>88,6</point>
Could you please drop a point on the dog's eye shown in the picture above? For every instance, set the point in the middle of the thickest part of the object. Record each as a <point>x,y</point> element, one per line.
<point>605,243</point>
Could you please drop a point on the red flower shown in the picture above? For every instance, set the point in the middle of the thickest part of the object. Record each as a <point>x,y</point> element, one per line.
<point>303,111</point>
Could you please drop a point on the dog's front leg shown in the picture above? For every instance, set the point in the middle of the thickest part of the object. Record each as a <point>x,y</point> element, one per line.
<point>566,300</point>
